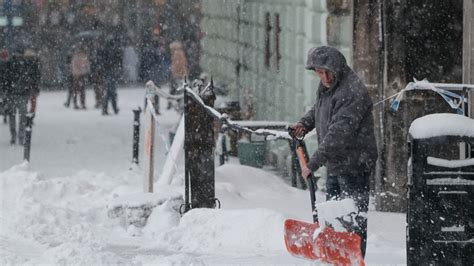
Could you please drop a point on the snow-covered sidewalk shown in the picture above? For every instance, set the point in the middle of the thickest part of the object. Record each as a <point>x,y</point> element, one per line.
<point>55,210</point>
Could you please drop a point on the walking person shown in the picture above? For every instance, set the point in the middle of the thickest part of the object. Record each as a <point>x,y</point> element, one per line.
<point>17,95</point>
<point>112,56</point>
<point>80,67</point>
<point>130,63</point>
<point>97,75</point>
<point>342,117</point>
<point>32,76</point>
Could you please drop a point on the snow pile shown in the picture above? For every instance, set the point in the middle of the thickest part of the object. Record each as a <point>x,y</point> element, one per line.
<point>134,209</point>
<point>333,211</point>
<point>250,231</point>
<point>65,217</point>
<point>442,124</point>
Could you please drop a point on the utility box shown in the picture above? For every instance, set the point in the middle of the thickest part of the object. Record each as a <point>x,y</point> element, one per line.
<point>440,213</point>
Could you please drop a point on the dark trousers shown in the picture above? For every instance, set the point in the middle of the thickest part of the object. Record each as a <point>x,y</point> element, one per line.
<point>98,85</point>
<point>110,95</point>
<point>79,87</point>
<point>357,188</point>
<point>19,104</point>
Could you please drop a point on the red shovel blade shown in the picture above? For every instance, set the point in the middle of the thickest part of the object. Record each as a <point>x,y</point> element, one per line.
<point>338,248</point>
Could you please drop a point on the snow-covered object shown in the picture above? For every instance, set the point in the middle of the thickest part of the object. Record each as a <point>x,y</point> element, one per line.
<point>175,151</point>
<point>247,230</point>
<point>330,212</point>
<point>135,208</point>
<point>449,163</point>
<point>442,124</point>
<point>449,181</point>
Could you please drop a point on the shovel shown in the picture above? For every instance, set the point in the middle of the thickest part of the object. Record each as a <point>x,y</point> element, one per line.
<point>313,242</point>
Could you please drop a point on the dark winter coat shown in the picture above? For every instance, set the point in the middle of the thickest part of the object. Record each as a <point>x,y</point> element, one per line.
<point>22,76</point>
<point>342,116</point>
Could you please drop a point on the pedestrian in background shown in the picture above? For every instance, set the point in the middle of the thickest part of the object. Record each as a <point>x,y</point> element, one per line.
<point>97,74</point>
<point>21,79</point>
<point>112,56</point>
<point>179,67</point>
<point>130,62</point>
<point>80,67</point>
<point>32,76</point>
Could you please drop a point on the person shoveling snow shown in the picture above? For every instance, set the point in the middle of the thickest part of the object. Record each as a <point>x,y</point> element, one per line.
<point>342,117</point>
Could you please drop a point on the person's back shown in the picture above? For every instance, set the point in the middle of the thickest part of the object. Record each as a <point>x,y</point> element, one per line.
<point>130,63</point>
<point>179,63</point>
<point>80,65</point>
<point>112,56</point>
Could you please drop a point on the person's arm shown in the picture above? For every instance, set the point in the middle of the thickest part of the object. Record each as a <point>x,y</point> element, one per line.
<point>347,115</point>
<point>308,119</point>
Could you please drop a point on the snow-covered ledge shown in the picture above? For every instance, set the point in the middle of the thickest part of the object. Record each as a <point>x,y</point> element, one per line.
<point>442,124</point>
<point>450,163</point>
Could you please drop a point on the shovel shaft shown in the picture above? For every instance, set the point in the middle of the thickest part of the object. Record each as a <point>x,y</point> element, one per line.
<point>310,179</point>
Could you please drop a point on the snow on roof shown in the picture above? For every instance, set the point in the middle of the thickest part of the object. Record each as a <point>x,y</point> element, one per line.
<point>442,124</point>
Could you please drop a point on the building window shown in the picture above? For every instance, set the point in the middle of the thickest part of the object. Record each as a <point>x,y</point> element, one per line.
<point>277,41</point>
<point>268,29</point>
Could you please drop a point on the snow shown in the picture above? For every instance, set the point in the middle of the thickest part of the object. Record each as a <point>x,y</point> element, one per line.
<point>57,208</point>
<point>449,163</point>
<point>256,123</point>
<point>174,152</point>
<point>450,181</point>
<point>329,212</point>
<point>435,125</point>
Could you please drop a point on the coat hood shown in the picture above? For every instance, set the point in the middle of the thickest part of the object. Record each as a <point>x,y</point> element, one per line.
<point>328,58</point>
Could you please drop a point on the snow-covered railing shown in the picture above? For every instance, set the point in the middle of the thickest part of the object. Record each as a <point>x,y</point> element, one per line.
<point>236,126</point>
<point>445,90</point>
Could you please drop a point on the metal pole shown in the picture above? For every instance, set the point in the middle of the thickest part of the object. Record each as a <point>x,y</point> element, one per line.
<point>28,129</point>
<point>136,134</point>
<point>187,167</point>
<point>8,41</point>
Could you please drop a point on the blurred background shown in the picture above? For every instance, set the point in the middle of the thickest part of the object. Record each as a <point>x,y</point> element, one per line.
<point>53,29</point>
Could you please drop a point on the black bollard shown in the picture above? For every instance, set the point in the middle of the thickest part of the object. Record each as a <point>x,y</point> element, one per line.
<point>136,134</point>
<point>28,129</point>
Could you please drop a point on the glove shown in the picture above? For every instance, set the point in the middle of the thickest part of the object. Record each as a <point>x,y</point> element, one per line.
<point>298,130</point>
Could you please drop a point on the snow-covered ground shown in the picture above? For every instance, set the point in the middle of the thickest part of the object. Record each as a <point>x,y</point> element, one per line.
<point>56,210</point>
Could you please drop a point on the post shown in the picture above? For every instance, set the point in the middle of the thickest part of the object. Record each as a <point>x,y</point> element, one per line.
<point>149,143</point>
<point>199,152</point>
<point>28,129</point>
<point>8,39</point>
<point>136,134</point>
